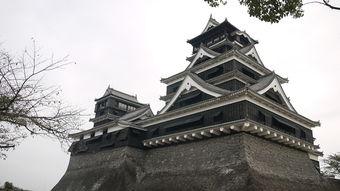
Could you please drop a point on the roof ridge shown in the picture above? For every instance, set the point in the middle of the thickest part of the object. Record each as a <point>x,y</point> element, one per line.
<point>109,88</point>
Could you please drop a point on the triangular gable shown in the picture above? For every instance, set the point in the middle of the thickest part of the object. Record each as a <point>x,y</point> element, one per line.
<point>211,23</point>
<point>202,51</point>
<point>252,52</point>
<point>243,33</point>
<point>276,86</point>
<point>192,81</point>
<point>140,113</point>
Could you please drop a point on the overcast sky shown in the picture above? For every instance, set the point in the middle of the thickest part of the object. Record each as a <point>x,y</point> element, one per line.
<point>131,44</point>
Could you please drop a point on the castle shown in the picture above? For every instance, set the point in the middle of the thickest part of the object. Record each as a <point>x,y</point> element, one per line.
<point>227,124</point>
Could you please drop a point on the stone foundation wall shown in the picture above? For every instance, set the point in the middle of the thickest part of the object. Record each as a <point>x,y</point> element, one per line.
<point>236,162</point>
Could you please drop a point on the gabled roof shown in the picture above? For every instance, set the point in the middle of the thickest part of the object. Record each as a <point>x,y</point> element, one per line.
<point>144,111</point>
<point>243,33</point>
<point>192,80</point>
<point>110,91</point>
<point>124,121</point>
<point>211,23</point>
<point>202,51</point>
<point>232,54</point>
<point>263,82</point>
<point>268,82</point>
<point>225,24</point>
<point>251,51</point>
<point>235,74</point>
<point>239,95</point>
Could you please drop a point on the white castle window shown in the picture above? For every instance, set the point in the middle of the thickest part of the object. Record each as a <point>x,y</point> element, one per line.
<point>130,108</point>
<point>122,106</point>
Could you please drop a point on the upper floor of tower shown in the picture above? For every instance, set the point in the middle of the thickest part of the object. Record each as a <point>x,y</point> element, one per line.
<point>221,37</point>
<point>113,105</point>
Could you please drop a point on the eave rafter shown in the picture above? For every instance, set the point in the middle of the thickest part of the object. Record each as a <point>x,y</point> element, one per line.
<point>111,127</point>
<point>247,126</point>
<point>244,94</point>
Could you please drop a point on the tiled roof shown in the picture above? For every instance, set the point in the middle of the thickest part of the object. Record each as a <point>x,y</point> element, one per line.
<point>208,86</point>
<point>111,91</point>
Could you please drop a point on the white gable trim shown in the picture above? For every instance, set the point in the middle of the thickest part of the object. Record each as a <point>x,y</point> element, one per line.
<point>227,102</point>
<point>241,33</point>
<point>148,111</point>
<point>275,84</point>
<point>219,63</point>
<point>254,53</point>
<point>235,42</point>
<point>114,128</point>
<point>215,84</point>
<point>201,52</point>
<point>209,24</point>
<point>187,84</point>
<point>228,59</point>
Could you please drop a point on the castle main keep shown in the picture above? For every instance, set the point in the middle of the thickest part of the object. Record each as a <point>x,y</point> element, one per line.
<point>227,124</point>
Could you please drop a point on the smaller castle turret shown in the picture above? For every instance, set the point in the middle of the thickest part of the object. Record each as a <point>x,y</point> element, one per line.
<point>113,105</point>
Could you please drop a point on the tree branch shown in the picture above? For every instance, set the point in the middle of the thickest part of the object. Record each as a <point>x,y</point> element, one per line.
<point>330,6</point>
<point>27,106</point>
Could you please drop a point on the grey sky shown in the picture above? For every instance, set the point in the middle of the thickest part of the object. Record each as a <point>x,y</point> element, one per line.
<point>132,44</point>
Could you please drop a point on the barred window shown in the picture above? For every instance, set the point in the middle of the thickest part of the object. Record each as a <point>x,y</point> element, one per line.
<point>131,108</point>
<point>122,106</point>
<point>261,117</point>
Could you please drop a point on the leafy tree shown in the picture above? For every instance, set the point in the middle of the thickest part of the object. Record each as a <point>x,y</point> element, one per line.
<point>8,186</point>
<point>27,106</point>
<point>274,10</point>
<point>332,164</point>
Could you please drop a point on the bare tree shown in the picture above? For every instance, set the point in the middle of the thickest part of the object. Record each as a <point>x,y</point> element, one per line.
<point>332,164</point>
<point>27,106</point>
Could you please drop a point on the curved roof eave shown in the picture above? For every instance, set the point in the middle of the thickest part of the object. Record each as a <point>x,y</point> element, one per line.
<point>192,80</point>
<point>211,22</point>
<point>202,51</point>
<point>271,82</point>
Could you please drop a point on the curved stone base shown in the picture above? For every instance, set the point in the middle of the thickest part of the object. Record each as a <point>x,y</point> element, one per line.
<point>238,162</point>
